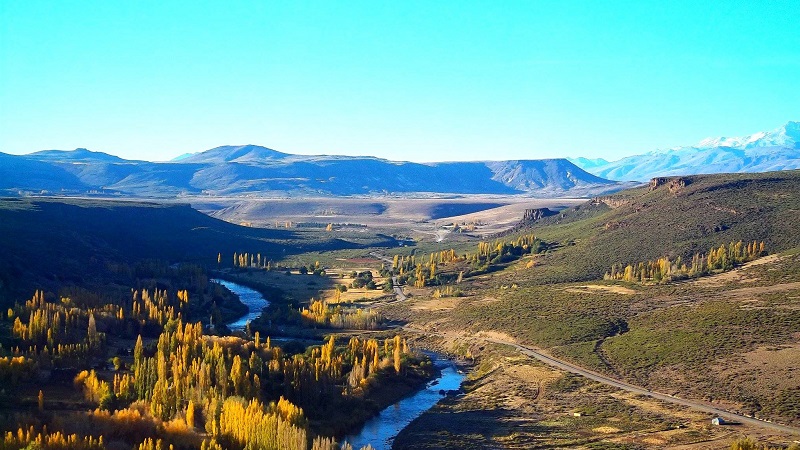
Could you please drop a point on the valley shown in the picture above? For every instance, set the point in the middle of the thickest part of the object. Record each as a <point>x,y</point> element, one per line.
<point>555,354</point>
<point>522,225</point>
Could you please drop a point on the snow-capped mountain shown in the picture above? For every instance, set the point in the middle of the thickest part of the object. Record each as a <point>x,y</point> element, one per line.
<point>785,136</point>
<point>764,151</point>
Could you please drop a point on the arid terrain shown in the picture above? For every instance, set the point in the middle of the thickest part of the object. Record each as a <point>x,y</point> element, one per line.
<point>531,405</point>
<point>627,321</point>
<point>424,218</point>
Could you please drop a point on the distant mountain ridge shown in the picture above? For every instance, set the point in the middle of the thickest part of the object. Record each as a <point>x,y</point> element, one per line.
<point>786,136</point>
<point>764,151</point>
<point>257,170</point>
<point>236,153</point>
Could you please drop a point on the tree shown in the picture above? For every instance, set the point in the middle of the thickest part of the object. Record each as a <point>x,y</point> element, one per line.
<point>190,414</point>
<point>92,330</point>
<point>397,355</point>
<point>138,350</point>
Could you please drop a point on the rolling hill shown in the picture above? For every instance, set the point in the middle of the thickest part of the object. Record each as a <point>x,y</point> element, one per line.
<point>673,216</point>
<point>47,243</point>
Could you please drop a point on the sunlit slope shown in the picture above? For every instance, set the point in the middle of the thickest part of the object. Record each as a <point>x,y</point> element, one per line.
<point>672,217</point>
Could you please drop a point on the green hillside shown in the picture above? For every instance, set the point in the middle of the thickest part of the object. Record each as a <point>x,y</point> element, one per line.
<point>679,217</point>
<point>728,337</point>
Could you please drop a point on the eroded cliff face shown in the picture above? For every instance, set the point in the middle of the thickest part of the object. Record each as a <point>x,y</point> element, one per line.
<point>674,184</point>
<point>534,214</point>
<point>612,201</point>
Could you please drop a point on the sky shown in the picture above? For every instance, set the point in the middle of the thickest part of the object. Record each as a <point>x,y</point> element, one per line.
<point>410,80</point>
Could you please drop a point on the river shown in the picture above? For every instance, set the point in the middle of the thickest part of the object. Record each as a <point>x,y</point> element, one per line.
<point>381,430</point>
<point>253,299</point>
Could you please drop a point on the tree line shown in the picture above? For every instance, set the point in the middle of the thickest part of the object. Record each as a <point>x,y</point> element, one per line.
<point>426,270</point>
<point>663,270</point>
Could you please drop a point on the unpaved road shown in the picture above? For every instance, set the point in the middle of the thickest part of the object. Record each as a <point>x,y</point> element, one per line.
<point>398,289</point>
<point>568,367</point>
<point>572,368</point>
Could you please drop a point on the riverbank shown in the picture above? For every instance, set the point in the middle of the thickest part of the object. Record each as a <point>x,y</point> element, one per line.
<point>343,414</point>
<point>381,430</point>
<point>352,413</point>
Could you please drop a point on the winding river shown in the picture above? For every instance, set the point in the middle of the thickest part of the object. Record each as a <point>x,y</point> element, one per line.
<point>381,430</point>
<point>253,299</point>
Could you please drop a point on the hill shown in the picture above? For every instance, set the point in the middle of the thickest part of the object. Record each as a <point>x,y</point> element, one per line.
<point>765,151</point>
<point>672,216</point>
<point>251,169</point>
<point>51,243</point>
<point>727,339</point>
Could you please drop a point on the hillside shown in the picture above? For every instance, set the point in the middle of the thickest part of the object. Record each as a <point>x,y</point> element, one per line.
<point>250,169</point>
<point>48,243</point>
<point>727,339</point>
<point>672,217</point>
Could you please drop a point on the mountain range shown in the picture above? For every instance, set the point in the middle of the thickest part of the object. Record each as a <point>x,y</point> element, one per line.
<point>261,171</point>
<point>256,170</point>
<point>765,151</point>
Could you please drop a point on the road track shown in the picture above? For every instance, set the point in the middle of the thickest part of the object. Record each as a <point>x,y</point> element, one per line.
<point>600,378</point>
<point>572,368</point>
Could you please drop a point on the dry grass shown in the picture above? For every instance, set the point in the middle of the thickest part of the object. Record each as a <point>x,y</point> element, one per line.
<point>738,275</point>
<point>606,430</point>
<point>496,335</point>
<point>356,295</point>
<point>436,304</point>
<point>601,288</point>
<point>767,369</point>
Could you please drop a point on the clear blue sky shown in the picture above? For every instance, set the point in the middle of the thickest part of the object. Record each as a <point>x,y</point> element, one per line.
<point>421,81</point>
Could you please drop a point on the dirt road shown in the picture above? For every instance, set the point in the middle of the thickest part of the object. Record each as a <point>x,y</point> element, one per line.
<point>398,289</point>
<point>568,367</point>
<point>563,365</point>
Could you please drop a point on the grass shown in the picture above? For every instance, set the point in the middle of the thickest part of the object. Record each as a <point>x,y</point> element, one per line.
<point>660,330</point>
<point>689,338</point>
<point>711,210</point>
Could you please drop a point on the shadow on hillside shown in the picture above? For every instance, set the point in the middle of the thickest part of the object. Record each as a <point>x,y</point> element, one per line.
<point>444,428</point>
